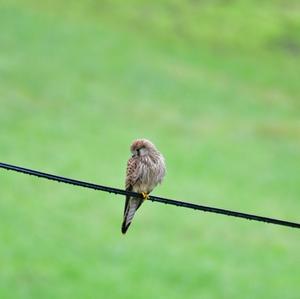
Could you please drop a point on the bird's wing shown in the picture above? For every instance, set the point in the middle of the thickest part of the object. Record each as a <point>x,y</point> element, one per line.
<point>131,172</point>
<point>131,177</point>
<point>132,203</point>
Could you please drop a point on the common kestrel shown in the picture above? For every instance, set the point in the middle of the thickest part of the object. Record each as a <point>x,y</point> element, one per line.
<point>145,169</point>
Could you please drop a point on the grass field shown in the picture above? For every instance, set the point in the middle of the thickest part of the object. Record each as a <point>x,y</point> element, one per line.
<point>214,84</point>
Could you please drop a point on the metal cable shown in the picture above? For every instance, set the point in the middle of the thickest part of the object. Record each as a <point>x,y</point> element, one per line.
<point>151,197</point>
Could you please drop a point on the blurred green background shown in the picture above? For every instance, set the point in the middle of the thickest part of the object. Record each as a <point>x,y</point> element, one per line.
<point>214,84</point>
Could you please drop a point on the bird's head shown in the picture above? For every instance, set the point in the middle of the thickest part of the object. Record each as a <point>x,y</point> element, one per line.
<point>142,147</point>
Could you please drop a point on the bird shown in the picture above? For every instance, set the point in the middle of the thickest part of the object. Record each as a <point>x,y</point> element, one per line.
<point>145,170</point>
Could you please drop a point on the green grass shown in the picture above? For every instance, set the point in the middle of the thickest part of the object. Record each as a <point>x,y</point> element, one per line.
<point>220,98</point>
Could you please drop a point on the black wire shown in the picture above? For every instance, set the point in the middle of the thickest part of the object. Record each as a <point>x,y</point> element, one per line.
<point>152,198</point>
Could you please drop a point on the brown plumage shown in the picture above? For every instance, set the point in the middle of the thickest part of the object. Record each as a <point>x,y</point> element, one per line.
<point>145,169</point>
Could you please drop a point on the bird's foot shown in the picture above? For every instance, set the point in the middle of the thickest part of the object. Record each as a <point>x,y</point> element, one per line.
<point>145,195</point>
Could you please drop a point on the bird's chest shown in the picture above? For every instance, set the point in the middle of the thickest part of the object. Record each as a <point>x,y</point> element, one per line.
<point>147,175</point>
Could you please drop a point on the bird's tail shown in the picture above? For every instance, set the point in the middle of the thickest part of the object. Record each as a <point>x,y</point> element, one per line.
<point>133,205</point>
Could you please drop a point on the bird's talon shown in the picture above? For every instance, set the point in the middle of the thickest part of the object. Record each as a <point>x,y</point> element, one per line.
<point>145,195</point>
